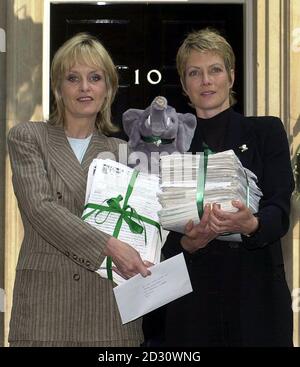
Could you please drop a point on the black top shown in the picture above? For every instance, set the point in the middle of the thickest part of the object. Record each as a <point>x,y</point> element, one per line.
<point>212,131</point>
<point>240,296</point>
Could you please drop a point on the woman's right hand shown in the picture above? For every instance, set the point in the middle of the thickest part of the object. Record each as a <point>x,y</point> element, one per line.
<point>199,235</point>
<point>126,259</point>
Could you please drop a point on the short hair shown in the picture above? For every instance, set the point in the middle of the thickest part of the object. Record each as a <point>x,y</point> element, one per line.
<point>207,39</point>
<point>85,49</point>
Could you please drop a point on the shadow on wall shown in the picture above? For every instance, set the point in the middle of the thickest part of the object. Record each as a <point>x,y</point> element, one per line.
<point>26,57</point>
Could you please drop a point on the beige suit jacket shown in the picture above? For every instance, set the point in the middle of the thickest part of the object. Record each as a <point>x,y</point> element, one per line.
<point>57,294</point>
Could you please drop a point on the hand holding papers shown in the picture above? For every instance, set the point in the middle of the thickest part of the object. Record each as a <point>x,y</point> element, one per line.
<point>225,180</point>
<point>122,202</point>
<point>169,280</point>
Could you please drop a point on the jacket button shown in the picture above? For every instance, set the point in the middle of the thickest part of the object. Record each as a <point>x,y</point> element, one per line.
<point>88,263</point>
<point>59,195</point>
<point>67,253</point>
<point>75,257</point>
<point>76,277</point>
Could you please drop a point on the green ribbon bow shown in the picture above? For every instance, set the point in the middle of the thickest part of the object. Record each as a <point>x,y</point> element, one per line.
<point>127,213</point>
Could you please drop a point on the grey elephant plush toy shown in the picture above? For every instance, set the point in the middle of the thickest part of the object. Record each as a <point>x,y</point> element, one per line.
<point>155,130</point>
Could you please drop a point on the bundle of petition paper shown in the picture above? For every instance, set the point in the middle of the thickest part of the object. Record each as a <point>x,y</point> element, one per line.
<point>223,179</point>
<point>123,202</point>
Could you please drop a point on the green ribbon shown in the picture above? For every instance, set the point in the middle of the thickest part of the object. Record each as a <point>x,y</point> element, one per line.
<point>202,179</point>
<point>247,190</point>
<point>202,170</point>
<point>157,140</point>
<point>127,213</point>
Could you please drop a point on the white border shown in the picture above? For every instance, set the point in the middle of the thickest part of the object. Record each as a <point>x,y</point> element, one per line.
<point>2,40</point>
<point>248,42</point>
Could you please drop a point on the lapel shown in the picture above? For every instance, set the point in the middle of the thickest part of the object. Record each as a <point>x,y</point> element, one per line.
<point>240,137</point>
<point>97,145</point>
<point>67,165</point>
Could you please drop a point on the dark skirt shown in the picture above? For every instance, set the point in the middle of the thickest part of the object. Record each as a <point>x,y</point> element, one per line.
<point>239,298</point>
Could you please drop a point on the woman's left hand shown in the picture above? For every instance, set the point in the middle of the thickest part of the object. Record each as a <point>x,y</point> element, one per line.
<point>242,221</point>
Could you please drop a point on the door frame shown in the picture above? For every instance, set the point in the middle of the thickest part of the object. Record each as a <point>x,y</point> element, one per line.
<point>248,31</point>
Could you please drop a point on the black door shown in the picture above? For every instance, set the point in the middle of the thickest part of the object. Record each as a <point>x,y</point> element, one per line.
<point>143,40</point>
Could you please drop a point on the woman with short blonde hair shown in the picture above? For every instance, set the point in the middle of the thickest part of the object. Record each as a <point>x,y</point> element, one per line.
<point>240,295</point>
<point>206,40</point>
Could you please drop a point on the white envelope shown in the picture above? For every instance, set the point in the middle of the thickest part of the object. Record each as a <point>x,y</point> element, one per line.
<point>168,281</point>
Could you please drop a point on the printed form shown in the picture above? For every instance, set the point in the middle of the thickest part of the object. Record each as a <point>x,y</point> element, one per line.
<point>168,281</point>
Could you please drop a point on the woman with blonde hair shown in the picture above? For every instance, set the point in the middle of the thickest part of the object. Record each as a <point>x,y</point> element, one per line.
<point>240,296</point>
<point>59,299</point>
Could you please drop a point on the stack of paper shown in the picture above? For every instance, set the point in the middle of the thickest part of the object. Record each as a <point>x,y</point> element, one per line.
<point>109,179</point>
<point>226,180</point>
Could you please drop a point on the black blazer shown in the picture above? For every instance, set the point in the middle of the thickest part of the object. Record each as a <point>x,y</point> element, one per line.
<point>264,314</point>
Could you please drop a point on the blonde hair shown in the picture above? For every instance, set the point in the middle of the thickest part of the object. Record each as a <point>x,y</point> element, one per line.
<point>85,49</point>
<point>203,40</point>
